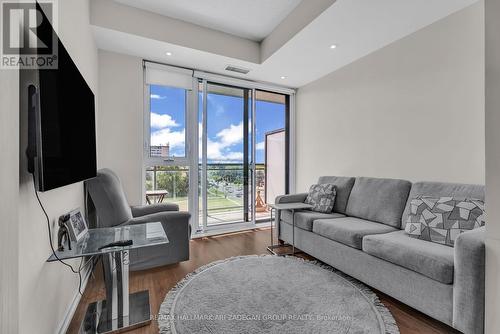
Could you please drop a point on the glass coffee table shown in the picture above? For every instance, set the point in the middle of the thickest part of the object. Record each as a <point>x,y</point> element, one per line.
<point>120,311</point>
<point>285,206</point>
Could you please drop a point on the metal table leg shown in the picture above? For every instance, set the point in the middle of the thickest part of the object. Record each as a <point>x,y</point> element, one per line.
<point>293,232</point>
<point>272,221</point>
<point>120,311</point>
<point>272,247</point>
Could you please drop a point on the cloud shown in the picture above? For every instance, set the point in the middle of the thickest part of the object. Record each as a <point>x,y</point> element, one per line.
<point>231,135</point>
<point>163,134</point>
<point>176,139</point>
<point>219,148</point>
<point>260,146</point>
<point>162,121</point>
<point>216,152</point>
<point>157,97</point>
<point>234,156</point>
<point>214,104</point>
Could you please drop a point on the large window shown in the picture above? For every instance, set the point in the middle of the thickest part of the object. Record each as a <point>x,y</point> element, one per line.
<point>167,121</point>
<point>168,127</point>
<point>217,149</point>
<point>167,176</point>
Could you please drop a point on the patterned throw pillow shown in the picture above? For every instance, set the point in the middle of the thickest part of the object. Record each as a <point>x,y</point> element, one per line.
<point>322,197</point>
<point>442,219</point>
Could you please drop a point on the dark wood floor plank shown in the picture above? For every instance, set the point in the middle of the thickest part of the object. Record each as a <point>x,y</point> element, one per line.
<point>203,251</point>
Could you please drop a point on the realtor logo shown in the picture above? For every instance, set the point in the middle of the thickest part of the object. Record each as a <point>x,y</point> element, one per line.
<point>28,37</point>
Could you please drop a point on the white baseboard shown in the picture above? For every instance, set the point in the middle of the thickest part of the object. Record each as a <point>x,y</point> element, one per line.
<point>63,326</point>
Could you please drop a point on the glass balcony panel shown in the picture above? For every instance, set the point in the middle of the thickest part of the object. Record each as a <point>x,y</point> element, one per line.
<point>168,184</point>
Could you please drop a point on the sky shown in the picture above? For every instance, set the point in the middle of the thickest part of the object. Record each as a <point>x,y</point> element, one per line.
<point>225,123</point>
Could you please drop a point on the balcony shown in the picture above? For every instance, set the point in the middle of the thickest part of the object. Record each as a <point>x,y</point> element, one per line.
<point>225,191</point>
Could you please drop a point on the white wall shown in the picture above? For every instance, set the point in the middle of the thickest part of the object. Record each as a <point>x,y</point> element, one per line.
<point>46,291</point>
<point>492,166</point>
<point>9,174</point>
<point>120,120</point>
<point>412,110</point>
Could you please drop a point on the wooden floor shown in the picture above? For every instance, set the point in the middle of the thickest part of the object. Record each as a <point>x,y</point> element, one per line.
<point>160,280</point>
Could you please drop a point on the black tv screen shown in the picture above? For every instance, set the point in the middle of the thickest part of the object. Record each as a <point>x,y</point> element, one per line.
<point>66,143</point>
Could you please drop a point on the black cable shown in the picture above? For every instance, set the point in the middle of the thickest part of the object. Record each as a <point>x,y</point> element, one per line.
<point>79,272</point>
<point>80,277</point>
<point>80,268</point>
<point>49,229</point>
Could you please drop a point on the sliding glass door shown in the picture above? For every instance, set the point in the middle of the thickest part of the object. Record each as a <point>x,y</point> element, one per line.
<point>243,153</point>
<point>224,142</point>
<point>217,149</point>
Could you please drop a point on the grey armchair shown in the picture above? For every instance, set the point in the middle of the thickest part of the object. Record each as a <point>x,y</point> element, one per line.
<point>112,209</point>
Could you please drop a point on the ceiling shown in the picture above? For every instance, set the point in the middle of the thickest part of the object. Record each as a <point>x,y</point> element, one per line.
<point>357,27</point>
<point>251,19</point>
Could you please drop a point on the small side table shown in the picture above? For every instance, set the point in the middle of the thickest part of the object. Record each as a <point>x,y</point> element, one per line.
<point>158,194</point>
<point>286,206</point>
<point>120,311</point>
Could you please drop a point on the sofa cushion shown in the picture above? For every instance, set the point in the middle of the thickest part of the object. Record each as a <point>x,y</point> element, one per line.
<point>343,186</point>
<point>427,258</point>
<point>379,200</point>
<point>442,189</point>
<point>321,197</point>
<point>442,219</point>
<point>304,218</point>
<point>349,231</point>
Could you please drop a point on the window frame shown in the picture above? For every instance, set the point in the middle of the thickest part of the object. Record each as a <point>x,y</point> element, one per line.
<point>159,161</point>
<point>192,145</point>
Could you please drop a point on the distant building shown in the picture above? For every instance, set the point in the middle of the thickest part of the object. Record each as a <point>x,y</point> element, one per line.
<point>160,151</point>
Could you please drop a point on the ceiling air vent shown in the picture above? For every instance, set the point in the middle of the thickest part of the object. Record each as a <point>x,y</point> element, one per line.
<point>237,69</point>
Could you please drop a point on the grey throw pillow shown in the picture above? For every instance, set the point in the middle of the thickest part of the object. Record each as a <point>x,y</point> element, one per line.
<point>442,219</point>
<point>322,197</point>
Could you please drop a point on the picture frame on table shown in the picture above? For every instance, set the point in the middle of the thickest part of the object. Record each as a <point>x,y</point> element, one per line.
<point>76,224</point>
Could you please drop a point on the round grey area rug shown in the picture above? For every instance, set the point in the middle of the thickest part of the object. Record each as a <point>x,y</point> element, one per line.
<point>271,294</point>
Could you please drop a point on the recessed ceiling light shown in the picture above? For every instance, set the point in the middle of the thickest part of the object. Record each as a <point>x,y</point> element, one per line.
<point>283,77</point>
<point>333,46</point>
<point>169,53</point>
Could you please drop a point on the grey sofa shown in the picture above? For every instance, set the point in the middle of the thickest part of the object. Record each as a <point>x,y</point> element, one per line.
<point>365,238</point>
<point>112,209</point>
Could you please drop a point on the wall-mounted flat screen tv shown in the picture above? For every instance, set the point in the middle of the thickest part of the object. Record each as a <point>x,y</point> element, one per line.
<point>61,121</point>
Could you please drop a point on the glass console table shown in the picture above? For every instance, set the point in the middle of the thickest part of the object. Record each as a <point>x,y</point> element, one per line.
<point>120,311</point>
<point>285,206</point>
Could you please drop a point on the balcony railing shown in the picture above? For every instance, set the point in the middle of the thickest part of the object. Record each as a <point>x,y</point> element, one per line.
<point>225,189</point>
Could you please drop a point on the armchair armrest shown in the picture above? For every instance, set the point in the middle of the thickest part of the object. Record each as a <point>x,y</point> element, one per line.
<point>174,222</point>
<point>143,210</point>
<point>292,198</point>
<point>468,282</point>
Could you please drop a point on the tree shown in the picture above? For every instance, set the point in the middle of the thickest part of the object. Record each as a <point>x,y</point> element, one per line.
<point>174,179</point>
